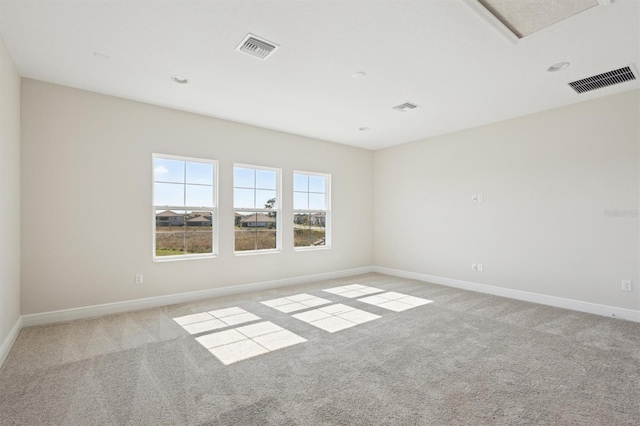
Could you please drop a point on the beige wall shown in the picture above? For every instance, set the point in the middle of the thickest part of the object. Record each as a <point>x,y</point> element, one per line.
<point>547,180</point>
<point>86,199</point>
<point>9,194</point>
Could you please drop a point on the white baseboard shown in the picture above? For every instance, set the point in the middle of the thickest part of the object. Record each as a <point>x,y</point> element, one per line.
<point>576,305</point>
<point>7,344</point>
<point>152,302</point>
<point>172,299</point>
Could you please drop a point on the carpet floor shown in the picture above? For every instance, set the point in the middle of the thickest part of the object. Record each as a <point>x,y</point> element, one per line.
<point>375,350</point>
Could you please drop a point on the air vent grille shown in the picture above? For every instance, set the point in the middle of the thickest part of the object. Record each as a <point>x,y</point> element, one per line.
<point>256,47</point>
<point>405,107</point>
<point>603,80</point>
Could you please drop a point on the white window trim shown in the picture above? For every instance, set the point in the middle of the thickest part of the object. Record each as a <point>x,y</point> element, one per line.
<point>214,211</point>
<point>327,212</point>
<point>278,211</point>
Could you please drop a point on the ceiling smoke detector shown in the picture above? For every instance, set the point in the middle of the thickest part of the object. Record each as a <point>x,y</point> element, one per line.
<point>558,67</point>
<point>605,79</point>
<point>257,47</point>
<point>405,107</point>
<point>180,79</point>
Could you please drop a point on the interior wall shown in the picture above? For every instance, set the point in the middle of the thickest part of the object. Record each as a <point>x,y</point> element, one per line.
<point>560,210</point>
<point>9,194</point>
<point>86,199</point>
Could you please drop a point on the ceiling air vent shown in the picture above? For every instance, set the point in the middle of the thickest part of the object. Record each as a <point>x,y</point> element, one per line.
<point>257,47</point>
<point>603,80</point>
<point>405,107</point>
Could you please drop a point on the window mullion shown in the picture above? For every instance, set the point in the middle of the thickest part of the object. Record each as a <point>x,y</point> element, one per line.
<point>184,183</point>
<point>255,185</point>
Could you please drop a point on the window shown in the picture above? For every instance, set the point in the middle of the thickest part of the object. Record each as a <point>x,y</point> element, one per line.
<point>256,200</point>
<point>184,207</point>
<point>311,215</point>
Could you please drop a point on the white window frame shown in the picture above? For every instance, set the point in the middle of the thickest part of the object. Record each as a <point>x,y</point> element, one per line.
<point>277,210</point>
<point>327,211</point>
<point>214,209</point>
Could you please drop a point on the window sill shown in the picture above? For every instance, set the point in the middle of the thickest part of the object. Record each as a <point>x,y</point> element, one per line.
<point>185,257</point>
<point>311,248</point>
<point>256,252</point>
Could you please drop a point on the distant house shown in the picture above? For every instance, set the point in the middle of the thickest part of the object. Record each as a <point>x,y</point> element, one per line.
<point>202,219</point>
<point>238,219</point>
<point>169,218</point>
<point>257,221</point>
<point>301,218</point>
<point>317,220</point>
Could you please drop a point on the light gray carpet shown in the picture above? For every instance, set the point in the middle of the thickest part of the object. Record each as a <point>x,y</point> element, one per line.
<point>465,359</point>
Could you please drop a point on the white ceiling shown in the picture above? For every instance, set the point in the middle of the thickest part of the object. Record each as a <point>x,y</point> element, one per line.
<point>441,55</point>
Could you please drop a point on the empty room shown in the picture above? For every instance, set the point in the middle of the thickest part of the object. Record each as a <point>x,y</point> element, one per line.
<point>320,213</point>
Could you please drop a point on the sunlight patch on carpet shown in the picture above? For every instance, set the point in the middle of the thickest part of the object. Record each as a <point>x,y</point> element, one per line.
<point>396,302</point>
<point>336,317</point>
<point>295,303</point>
<point>246,342</point>
<point>213,320</point>
<point>352,291</point>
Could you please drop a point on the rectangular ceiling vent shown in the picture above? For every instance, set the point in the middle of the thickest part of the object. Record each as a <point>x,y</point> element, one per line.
<point>257,47</point>
<point>603,80</point>
<point>405,107</point>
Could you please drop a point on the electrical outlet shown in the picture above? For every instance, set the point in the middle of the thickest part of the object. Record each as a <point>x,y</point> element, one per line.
<point>627,285</point>
<point>139,278</point>
<point>477,198</point>
<point>480,267</point>
<point>474,266</point>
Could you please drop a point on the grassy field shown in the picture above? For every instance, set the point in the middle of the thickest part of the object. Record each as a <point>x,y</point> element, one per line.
<point>308,237</point>
<point>255,239</point>
<point>168,252</point>
<point>171,241</point>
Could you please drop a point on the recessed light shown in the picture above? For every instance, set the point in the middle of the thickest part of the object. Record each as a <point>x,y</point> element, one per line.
<point>363,129</point>
<point>558,67</point>
<point>180,79</point>
<point>359,74</point>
